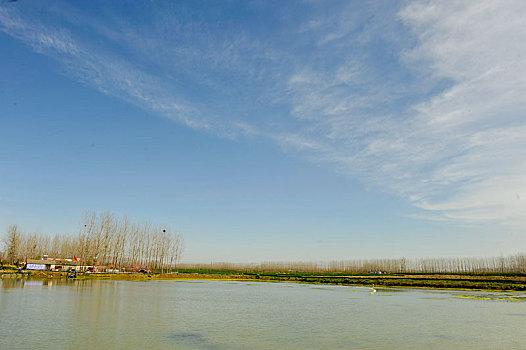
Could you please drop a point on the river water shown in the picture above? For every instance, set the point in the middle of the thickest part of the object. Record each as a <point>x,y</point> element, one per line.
<point>36,314</point>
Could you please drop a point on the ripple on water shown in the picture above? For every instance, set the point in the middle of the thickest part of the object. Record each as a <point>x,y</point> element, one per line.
<point>195,340</point>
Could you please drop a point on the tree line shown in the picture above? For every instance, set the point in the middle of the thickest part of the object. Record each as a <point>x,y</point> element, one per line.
<point>502,264</point>
<point>104,238</point>
<point>118,241</point>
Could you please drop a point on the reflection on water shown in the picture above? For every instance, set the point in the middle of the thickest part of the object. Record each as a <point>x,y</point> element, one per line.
<point>90,314</point>
<point>7,283</point>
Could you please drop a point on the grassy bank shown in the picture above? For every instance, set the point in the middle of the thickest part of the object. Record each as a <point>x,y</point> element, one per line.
<point>485,281</point>
<point>494,282</point>
<point>418,283</point>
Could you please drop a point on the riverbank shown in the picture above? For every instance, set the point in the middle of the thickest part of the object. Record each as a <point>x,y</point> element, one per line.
<point>434,281</point>
<point>493,282</point>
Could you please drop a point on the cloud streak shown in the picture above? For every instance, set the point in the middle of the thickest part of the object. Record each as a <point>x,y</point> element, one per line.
<point>104,71</point>
<point>424,101</point>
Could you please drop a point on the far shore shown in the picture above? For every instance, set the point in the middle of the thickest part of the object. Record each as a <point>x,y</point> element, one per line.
<point>485,282</point>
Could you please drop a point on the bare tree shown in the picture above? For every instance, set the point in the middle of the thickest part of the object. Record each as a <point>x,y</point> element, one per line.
<point>12,242</point>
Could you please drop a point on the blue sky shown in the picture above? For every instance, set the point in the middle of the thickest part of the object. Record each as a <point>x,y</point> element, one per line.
<point>270,130</point>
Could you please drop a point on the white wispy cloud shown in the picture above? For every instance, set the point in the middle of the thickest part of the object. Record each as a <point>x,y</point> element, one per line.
<point>475,45</point>
<point>459,154</point>
<point>107,72</point>
<point>426,101</point>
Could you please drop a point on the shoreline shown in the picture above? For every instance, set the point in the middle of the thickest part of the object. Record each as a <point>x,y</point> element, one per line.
<point>496,283</point>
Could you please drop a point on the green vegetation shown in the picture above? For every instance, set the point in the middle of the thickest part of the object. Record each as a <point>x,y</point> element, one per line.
<point>490,281</point>
<point>9,267</point>
<point>427,283</point>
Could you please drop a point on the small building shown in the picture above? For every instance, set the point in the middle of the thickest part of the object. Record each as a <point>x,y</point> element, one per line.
<point>50,264</point>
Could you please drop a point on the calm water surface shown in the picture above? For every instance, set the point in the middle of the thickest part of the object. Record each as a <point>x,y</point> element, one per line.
<point>238,315</point>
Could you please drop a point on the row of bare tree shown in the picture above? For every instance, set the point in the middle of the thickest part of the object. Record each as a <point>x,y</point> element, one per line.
<point>502,264</point>
<point>102,237</point>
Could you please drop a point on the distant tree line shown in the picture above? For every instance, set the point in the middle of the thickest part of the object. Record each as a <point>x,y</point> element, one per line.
<point>104,238</point>
<point>116,240</point>
<point>503,264</point>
